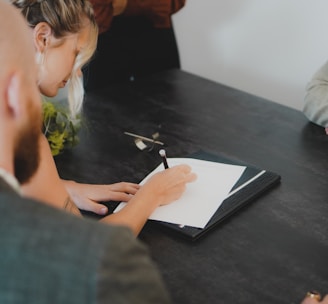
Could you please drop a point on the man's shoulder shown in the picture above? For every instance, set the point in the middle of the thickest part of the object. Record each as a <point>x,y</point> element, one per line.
<point>48,254</point>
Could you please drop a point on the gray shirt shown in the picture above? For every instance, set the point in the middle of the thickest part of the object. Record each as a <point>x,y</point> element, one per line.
<point>316,98</point>
<point>49,256</point>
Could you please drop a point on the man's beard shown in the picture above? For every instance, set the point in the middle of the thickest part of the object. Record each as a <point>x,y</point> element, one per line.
<point>27,155</point>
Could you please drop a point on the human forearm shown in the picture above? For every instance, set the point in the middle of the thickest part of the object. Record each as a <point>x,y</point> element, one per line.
<point>161,189</point>
<point>316,97</point>
<point>119,6</point>
<point>135,213</point>
<point>158,11</point>
<point>316,105</point>
<point>105,10</point>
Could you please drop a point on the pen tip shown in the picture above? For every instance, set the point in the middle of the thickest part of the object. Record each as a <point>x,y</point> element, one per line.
<point>162,152</point>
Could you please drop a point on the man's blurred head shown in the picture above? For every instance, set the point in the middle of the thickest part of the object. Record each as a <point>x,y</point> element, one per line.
<point>20,101</point>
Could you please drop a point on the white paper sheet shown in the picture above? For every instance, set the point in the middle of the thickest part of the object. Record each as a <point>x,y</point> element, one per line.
<point>202,197</point>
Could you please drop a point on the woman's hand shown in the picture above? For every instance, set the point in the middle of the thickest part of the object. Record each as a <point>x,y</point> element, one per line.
<point>168,185</point>
<point>87,196</point>
<point>310,299</point>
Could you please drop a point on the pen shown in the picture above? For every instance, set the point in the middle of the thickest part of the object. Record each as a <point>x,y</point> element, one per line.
<point>162,153</point>
<point>144,138</point>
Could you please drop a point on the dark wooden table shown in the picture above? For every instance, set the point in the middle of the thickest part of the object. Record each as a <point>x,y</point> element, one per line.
<point>272,251</point>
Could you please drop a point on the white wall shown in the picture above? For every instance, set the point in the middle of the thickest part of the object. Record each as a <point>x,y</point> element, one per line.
<point>270,48</point>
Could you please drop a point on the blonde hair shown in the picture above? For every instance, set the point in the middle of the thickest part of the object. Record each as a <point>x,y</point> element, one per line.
<point>65,17</point>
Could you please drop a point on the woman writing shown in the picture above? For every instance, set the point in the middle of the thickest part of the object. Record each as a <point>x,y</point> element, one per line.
<point>64,33</point>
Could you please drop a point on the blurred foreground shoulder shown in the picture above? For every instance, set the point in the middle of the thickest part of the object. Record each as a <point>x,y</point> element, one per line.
<point>50,256</point>
<point>127,273</point>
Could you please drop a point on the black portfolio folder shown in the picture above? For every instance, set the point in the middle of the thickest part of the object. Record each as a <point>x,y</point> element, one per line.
<point>253,183</point>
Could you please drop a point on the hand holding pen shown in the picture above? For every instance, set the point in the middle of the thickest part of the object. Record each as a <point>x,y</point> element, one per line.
<point>161,188</point>
<point>169,185</point>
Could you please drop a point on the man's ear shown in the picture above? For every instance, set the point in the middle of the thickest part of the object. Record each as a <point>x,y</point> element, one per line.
<point>13,95</point>
<point>41,36</point>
